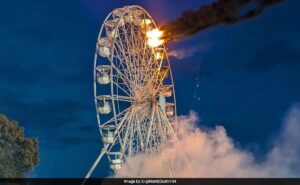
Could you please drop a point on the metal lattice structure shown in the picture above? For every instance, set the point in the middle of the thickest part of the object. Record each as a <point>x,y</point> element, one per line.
<point>133,88</point>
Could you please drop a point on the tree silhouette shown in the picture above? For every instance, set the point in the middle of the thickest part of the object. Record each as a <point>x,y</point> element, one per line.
<point>18,154</point>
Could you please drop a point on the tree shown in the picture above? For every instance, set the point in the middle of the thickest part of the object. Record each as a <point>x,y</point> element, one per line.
<point>18,154</point>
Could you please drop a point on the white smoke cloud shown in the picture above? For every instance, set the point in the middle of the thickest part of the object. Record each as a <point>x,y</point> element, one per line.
<point>213,154</point>
<point>182,53</point>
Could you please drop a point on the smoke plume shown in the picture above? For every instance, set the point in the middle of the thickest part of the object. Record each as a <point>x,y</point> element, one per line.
<point>213,153</point>
<point>220,12</point>
<point>181,53</point>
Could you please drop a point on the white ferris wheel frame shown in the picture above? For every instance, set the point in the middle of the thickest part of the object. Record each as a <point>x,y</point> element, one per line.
<point>124,138</point>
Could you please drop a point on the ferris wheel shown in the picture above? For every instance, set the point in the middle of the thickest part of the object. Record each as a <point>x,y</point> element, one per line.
<point>133,88</point>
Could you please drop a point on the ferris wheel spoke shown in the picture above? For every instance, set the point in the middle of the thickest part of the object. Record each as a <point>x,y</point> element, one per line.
<point>132,51</point>
<point>120,74</point>
<point>129,94</point>
<point>125,87</point>
<point>153,75</point>
<point>150,126</point>
<point>127,128</point>
<point>159,82</point>
<point>122,56</point>
<point>159,126</point>
<point>116,98</point>
<point>119,70</point>
<point>120,65</point>
<point>120,53</point>
<point>117,136</point>
<point>117,117</point>
<point>118,130</point>
<point>139,132</point>
<point>124,99</point>
<point>176,139</point>
<point>131,137</point>
<point>125,76</point>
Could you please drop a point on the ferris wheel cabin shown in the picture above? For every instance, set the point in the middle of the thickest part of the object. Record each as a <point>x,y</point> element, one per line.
<point>115,160</point>
<point>104,46</point>
<point>104,107</point>
<point>169,109</point>
<point>103,74</point>
<point>108,136</point>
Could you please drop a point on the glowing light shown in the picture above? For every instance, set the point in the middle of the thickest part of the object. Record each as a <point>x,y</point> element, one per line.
<point>145,22</point>
<point>154,38</point>
<point>159,56</point>
<point>146,25</point>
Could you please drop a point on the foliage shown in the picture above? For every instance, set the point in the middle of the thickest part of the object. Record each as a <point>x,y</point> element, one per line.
<point>18,154</point>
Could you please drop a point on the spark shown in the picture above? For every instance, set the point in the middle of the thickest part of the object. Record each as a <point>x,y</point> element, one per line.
<point>154,38</point>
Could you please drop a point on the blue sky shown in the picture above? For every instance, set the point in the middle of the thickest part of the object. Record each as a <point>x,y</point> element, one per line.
<point>248,75</point>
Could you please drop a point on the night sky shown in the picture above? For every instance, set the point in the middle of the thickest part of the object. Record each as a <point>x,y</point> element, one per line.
<point>243,76</point>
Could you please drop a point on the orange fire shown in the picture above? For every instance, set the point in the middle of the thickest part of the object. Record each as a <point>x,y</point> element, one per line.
<point>154,39</point>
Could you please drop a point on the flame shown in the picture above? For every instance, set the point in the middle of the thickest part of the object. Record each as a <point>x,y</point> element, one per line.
<point>146,25</point>
<point>145,22</point>
<point>159,56</point>
<point>154,38</point>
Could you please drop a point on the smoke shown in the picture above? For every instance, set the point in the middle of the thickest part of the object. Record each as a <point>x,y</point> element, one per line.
<point>220,12</point>
<point>187,52</point>
<point>212,153</point>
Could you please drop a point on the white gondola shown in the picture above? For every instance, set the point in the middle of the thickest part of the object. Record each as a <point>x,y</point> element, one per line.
<point>115,164</point>
<point>115,160</point>
<point>112,27</point>
<point>114,23</point>
<point>168,93</point>
<point>103,79</point>
<point>103,74</point>
<point>169,110</point>
<point>104,46</point>
<point>108,137</point>
<point>108,133</point>
<point>104,107</point>
<point>104,51</point>
<point>105,41</point>
<point>133,16</point>
<point>119,11</point>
